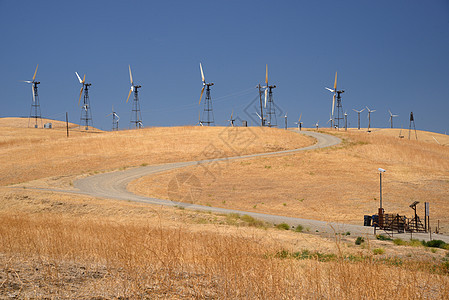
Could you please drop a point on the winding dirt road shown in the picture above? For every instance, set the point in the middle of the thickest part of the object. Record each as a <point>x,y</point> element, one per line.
<point>114,186</point>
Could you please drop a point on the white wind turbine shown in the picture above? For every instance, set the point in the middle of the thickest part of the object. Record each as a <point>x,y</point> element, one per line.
<point>358,113</point>
<point>391,118</point>
<point>369,117</point>
<point>115,119</point>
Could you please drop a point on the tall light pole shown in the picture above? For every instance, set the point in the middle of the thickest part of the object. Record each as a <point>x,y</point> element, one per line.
<point>381,210</point>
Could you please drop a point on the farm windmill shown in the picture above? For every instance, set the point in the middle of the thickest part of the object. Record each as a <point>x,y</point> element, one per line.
<point>208,113</point>
<point>337,97</point>
<point>369,117</point>
<point>231,120</point>
<point>115,119</point>
<point>136,117</point>
<point>358,113</point>
<point>86,113</point>
<point>35,111</point>
<point>271,109</point>
<point>391,118</point>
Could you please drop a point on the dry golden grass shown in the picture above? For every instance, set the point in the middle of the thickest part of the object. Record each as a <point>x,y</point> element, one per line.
<point>29,154</point>
<point>55,245</point>
<point>61,246</point>
<point>338,184</point>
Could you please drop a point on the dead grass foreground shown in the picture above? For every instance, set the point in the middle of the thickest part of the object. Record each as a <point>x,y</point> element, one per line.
<point>63,246</point>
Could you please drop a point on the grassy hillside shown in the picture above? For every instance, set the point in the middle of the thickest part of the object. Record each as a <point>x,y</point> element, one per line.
<point>62,245</point>
<point>29,154</point>
<point>337,184</point>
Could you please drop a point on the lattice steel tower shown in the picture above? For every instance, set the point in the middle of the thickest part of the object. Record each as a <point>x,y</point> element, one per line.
<point>208,113</point>
<point>136,117</point>
<point>270,113</point>
<point>336,96</point>
<point>35,111</point>
<point>86,113</point>
<point>340,114</point>
<point>115,119</point>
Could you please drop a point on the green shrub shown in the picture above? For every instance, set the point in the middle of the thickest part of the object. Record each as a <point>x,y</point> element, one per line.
<point>435,244</point>
<point>299,228</point>
<point>359,240</point>
<point>399,242</point>
<point>378,251</point>
<point>283,226</point>
<point>383,237</point>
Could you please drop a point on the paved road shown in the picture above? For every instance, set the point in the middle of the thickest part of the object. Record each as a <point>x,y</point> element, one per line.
<point>114,186</point>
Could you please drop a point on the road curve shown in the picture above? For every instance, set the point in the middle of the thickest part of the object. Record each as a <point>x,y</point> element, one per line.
<point>114,186</point>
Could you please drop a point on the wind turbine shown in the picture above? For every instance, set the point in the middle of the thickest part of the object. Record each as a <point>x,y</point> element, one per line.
<point>358,113</point>
<point>86,114</point>
<point>369,117</point>
<point>136,117</point>
<point>337,97</point>
<point>231,120</point>
<point>208,111</point>
<point>330,120</point>
<point>346,121</point>
<point>35,106</point>
<point>285,117</point>
<point>299,123</point>
<point>391,118</point>
<point>271,111</point>
<point>199,119</point>
<point>115,119</point>
<point>264,121</point>
<point>316,124</point>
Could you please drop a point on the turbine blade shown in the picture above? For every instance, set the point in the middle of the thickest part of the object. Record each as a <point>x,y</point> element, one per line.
<point>299,120</point>
<point>27,81</point>
<point>355,110</point>
<point>335,83</point>
<point>84,79</point>
<point>333,104</point>
<point>390,112</point>
<point>32,91</point>
<point>232,114</point>
<point>34,76</point>
<point>108,115</point>
<point>129,94</point>
<point>362,110</point>
<point>265,98</point>
<point>202,75</point>
<point>330,90</point>
<point>79,78</point>
<point>81,92</point>
<point>259,116</point>
<point>201,96</point>
<point>130,75</point>
<point>266,74</point>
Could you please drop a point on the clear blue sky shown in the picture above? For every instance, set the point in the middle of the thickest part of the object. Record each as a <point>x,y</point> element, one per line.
<point>388,54</point>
